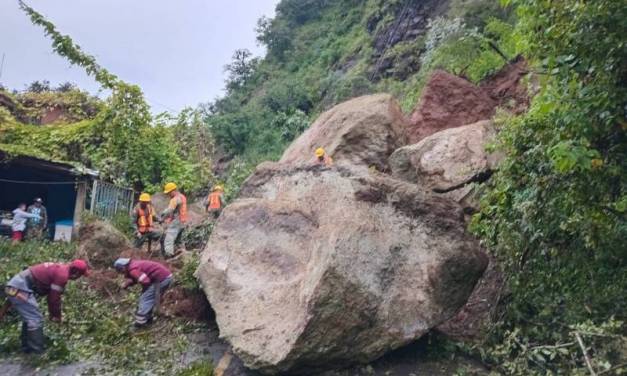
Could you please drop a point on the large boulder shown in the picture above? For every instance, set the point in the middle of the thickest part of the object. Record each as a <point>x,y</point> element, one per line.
<point>448,161</point>
<point>100,243</point>
<point>317,267</point>
<point>363,131</point>
<point>448,101</point>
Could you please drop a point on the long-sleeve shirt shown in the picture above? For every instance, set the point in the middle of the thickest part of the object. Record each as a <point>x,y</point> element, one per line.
<point>19,219</point>
<point>146,272</point>
<point>50,279</point>
<point>42,212</point>
<point>176,212</point>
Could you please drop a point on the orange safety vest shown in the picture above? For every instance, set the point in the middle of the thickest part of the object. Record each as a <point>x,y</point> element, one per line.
<point>214,201</point>
<point>183,208</point>
<point>144,219</point>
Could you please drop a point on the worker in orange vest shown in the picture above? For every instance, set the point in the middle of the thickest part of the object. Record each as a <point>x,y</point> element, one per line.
<point>215,201</point>
<point>322,158</point>
<point>174,216</point>
<point>143,218</point>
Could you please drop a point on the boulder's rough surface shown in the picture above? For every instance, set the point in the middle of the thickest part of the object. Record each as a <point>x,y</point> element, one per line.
<point>101,243</point>
<point>474,320</point>
<point>447,161</point>
<point>317,267</point>
<point>362,131</point>
<point>448,101</point>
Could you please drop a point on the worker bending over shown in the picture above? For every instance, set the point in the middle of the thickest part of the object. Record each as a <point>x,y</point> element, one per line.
<point>215,201</point>
<point>143,218</point>
<point>42,279</point>
<point>175,216</point>
<point>154,278</point>
<point>322,158</point>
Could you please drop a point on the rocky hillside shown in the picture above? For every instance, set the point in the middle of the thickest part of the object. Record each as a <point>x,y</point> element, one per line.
<point>321,53</point>
<point>315,268</point>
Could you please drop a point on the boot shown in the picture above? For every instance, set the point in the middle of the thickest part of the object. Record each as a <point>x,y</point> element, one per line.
<point>35,340</point>
<point>24,338</point>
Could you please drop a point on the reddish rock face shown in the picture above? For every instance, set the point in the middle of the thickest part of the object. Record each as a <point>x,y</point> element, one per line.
<point>506,87</point>
<point>448,101</point>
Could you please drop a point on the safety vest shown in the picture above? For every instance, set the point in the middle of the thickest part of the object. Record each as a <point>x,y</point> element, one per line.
<point>182,208</point>
<point>327,161</point>
<point>214,201</point>
<point>144,219</point>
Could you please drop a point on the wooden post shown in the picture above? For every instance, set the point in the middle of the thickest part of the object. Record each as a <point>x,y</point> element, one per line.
<point>79,206</point>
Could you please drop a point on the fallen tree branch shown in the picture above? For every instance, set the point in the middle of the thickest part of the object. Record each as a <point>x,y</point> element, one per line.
<point>613,369</point>
<point>585,353</point>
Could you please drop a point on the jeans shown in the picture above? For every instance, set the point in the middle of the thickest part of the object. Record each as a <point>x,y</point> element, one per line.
<point>148,300</point>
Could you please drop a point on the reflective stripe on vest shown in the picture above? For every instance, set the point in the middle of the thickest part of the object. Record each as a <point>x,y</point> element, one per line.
<point>214,201</point>
<point>144,219</point>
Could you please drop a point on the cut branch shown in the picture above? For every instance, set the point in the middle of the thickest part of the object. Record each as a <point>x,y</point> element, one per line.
<point>585,354</point>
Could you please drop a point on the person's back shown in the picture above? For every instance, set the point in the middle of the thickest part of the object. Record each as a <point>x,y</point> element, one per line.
<point>155,271</point>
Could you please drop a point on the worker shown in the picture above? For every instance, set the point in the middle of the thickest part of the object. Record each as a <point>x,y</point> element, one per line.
<point>143,218</point>
<point>175,217</point>
<point>42,279</point>
<point>18,226</point>
<point>322,158</point>
<point>154,277</point>
<point>215,201</point>
<point>37,228</point>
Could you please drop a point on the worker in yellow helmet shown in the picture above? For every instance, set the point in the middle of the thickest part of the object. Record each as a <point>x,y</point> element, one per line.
<point>322,158</point>
<point>174,216</point>
<point>143,218</point>
<point>215,202</point>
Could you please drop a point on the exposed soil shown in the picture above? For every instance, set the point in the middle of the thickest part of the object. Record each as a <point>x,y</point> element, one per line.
<point>449,101</point>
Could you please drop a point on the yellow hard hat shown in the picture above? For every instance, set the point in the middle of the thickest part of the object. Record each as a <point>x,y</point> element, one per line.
<point>169,188</point>
<point>218,188</point>
<point>320,152</point>
<point>144,197</point>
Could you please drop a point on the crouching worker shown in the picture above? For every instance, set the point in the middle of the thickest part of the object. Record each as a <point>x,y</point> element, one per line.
<point>154,277</point>
<point>143,218</point>
<point>43,279</point>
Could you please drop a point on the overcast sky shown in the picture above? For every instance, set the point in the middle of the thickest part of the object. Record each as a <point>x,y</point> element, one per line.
<point>174,50</point>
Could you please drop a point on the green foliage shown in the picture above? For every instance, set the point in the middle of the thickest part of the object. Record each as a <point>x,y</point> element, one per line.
<point>185,277</point>
<point>122,141</point>
<point>553,212</point>
<point>199,368</point>
<point>94,328</point>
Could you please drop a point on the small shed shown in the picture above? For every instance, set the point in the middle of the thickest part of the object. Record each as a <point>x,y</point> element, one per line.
<point>66,188</point>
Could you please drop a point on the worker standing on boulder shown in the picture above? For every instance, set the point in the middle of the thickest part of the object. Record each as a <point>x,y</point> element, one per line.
<point>322,158</point>
<point>43,279</point>
<point>143,218</point>
<point>154,277</point>
<point>175,217</point>
<point>215,201</point>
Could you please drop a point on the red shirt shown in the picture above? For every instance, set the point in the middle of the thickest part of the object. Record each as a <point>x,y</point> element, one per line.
<point>146,272</point>
<point>50,279</point>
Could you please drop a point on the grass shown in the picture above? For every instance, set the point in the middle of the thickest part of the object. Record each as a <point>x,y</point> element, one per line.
<point>94,328</point>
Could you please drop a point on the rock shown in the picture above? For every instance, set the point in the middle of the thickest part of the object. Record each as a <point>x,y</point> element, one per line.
<point>100,243</point>
<point>363,131</point>
<point>447,161</point>
<point>448,101</point>
<point>316,267</point>
<point>473,321</point>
